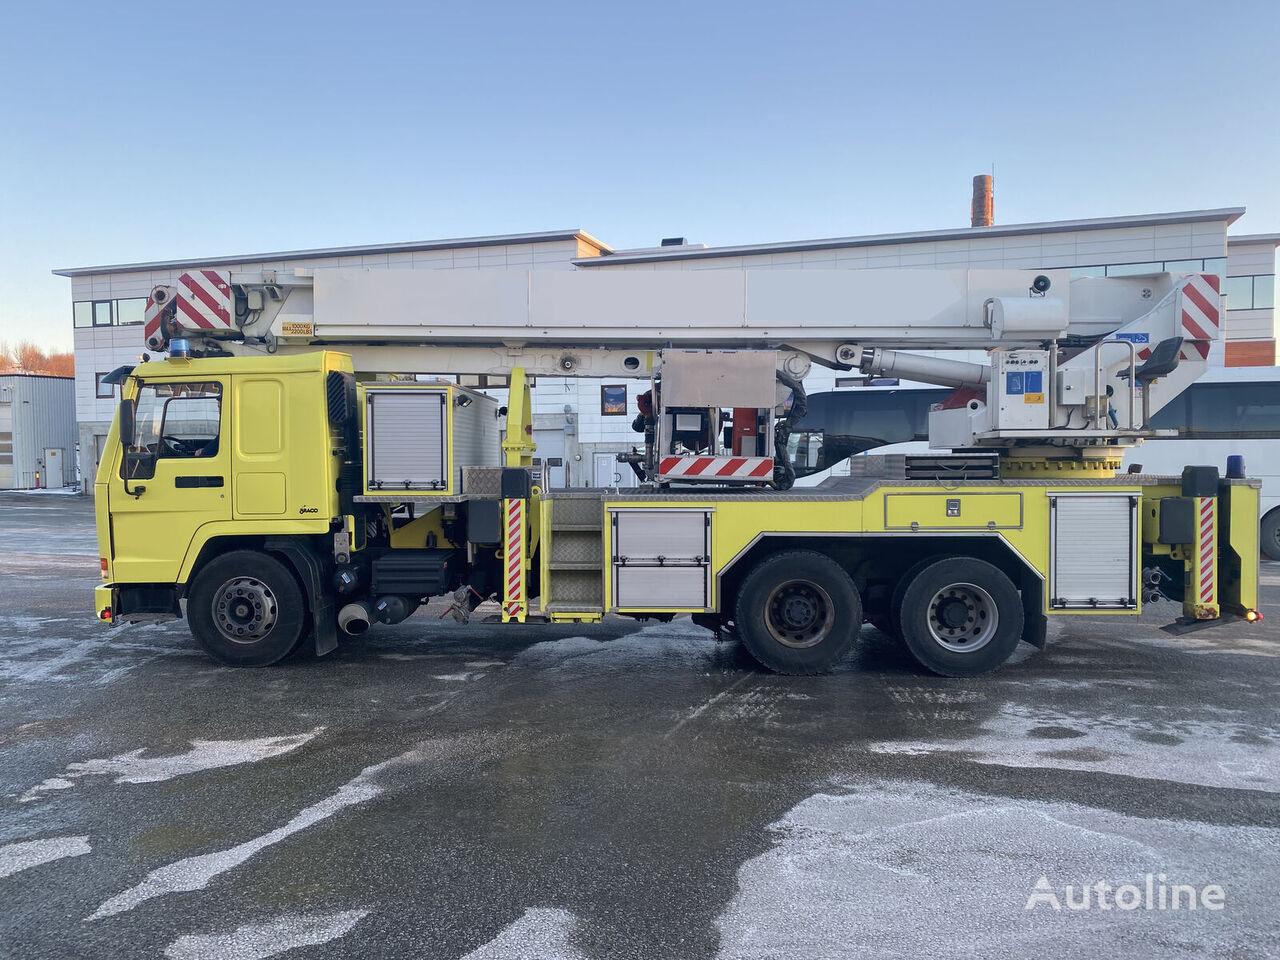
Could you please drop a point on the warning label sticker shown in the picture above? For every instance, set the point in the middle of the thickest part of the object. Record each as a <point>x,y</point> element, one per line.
<point>1029,384</point>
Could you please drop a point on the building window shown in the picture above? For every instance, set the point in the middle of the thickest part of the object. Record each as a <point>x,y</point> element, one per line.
<point>1212,265</point>
<point>1250,293</point>
<point>1239,293</point>
<point>613,400</point>
<point>486,381</point>
<point>103,391</point>
<point>106,313</point>
<point>1133,269</point>
<point>131,311</point>
<point>1264,292</point>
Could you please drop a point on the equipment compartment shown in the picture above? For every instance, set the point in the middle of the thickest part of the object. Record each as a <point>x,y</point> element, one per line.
<point>418,438</point>
<point>661,559</point>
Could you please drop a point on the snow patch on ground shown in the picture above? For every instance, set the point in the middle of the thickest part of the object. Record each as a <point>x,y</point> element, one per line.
<point>1210,642</point>
<point>896,869</point>
<point>195,873</point>
<point>133,767</point>
<point>675,643</point>
<point>542,933</point>
<point>257,941</point>
<point>1205,753</point>
<point>16,857</point>
<point>28,655</point>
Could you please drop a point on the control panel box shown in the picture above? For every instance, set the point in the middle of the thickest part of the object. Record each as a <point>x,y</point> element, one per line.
<point>1018,393</point>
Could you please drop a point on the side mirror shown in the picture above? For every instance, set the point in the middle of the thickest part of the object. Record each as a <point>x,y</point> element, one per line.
<point>128,408</point>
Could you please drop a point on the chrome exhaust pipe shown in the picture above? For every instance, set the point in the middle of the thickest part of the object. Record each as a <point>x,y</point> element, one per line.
<point>355,618</point>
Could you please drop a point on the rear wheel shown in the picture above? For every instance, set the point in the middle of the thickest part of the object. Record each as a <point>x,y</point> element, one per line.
<point>890,621</point>
<point>798,612</point>
<point>960,616</point>
<point>1271,534</point>
<point>246,609</point>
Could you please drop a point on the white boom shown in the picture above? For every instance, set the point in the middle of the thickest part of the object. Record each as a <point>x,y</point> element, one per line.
<point>1066,362</point>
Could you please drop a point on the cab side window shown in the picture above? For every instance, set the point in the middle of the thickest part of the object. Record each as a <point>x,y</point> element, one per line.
<point>173,421</point>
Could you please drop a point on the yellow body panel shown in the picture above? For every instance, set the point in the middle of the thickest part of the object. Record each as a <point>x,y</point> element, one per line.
<point>1238,584</point>
<point>952,510</point>
<point>518,446</point>
<point>1019,518</point>
<point>273,473</point>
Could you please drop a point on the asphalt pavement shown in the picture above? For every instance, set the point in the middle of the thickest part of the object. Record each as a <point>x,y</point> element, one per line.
<point>623,790</point>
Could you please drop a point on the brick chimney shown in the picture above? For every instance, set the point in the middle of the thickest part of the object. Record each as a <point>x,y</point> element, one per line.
<point>982,210</point>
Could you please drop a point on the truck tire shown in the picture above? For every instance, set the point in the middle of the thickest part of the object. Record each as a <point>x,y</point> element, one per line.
<point>1270,534</point>
<point>890,622</point>
<point>960,616</point>
<point>246,609</point>
<point>798,612</point>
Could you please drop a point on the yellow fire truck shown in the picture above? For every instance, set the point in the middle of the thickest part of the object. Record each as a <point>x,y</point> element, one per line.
<point>253,483</point>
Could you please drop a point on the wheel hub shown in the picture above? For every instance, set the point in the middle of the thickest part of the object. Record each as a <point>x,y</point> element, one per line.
<point>953,613</point>
<point>962,617</point>
<point>797,611</point>
<point>799,614</point>
<point>244,609</point>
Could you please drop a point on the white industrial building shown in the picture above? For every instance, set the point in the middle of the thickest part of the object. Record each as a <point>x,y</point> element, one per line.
<point>580,424</point>
<point>37,431</point>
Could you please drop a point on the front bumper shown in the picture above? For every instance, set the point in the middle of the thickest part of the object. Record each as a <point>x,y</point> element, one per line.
<point>104,602</point>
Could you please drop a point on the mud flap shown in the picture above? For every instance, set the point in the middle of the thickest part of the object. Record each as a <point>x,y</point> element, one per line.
<point>324,621</point>
<point>1035,625</point>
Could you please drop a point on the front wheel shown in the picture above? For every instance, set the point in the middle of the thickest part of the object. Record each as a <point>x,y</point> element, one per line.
<point>798,612</point>
<point>960,616</point>
<point>246,609</point>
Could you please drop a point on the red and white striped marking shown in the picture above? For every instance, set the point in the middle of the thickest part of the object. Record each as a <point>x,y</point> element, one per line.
<point>1191,350</point>
<point>1206,568</point>
<point>716,468</point>
<point>1200,316</point>
<point>201,300</point>
<point>151,320</point>
<point>1201,307</point>
<point>513,595</point>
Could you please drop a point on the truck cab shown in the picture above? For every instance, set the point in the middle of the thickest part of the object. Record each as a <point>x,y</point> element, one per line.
<point>225,451</point>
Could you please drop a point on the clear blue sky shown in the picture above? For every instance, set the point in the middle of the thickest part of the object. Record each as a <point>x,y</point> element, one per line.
<point>141,131</point>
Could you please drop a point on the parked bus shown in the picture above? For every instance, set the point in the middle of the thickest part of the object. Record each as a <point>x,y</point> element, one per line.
<point>1229,411</point>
